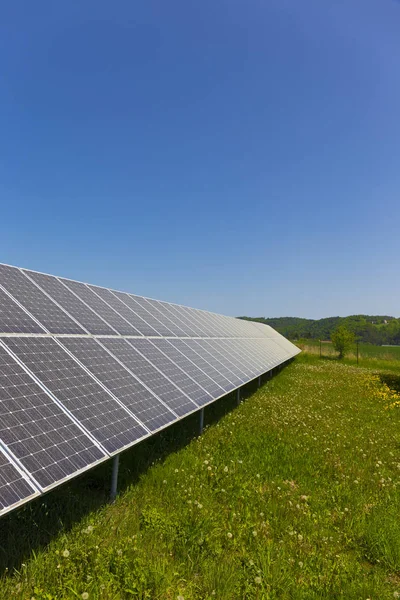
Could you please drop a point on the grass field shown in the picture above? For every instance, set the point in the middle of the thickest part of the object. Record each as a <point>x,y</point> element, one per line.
<point>368,354</point>
<point>293,495</point>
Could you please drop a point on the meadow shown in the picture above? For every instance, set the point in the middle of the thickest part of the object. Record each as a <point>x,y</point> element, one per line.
<point>295,494</point>
<point>369,355</point>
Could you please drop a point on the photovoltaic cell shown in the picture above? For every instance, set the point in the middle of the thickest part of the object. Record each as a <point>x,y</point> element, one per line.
<point>101,415</point>
<point>190,352</point>
<point>192,327</point>
<point>231,349</point>
<point>168,368</point>
<point>252,350</point>
<point>108,296</point>
<point>15,320</point>
<point>189,367</point>
<point>100,307</point>
<point>172,396</point>
<point>13,486</point>
<point>214,357</point>
<point>138,399</point>
<point>36,302</point>
<point>134,303</point>
<point>179,321</point>
<point>211,328</point>
<point>157,311</point>
<point>121,303</point>
<point>73,305</point>
<point>43,438</point>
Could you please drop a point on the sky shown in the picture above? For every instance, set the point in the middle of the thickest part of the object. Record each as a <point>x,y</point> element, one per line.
<point>236,156</point>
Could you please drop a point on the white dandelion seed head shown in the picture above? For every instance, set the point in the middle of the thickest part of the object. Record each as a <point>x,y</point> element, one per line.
<point>257,580</point>
<point>65,553</point>
<point>229,534</point>
<point>85,596</point>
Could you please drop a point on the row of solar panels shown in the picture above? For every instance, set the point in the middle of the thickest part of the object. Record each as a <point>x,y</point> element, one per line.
<point>36,303</point>
<point>70,398</point>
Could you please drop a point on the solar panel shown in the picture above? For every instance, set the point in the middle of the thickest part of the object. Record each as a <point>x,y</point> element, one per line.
<point>112,300</point>
<point>189,351</point>
<point>227,368</point>
<point>189,367</point>
<point>14,487</point>
<point>208,323</point>
<point>192,326</point>
<point>171,370</point>
<point>146,407</point>
<point>86,372</point>
<point>104,310</point>
<point>102,416</point>
<point>157,310</point>
<point>231,348</point>
<point>140,308</point>
<point>162,387</point>
<point>121,302</point>
<point>14,319</point>
<point>254,354</point>
<point>71,303</point>
<point>36,302</point>
<point>37,431</point>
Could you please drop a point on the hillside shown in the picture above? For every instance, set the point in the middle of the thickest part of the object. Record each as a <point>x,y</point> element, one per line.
<point>373,329</point>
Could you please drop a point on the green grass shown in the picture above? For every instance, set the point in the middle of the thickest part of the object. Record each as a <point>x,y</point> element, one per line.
<point>368,354</point>
<point>293,495</point>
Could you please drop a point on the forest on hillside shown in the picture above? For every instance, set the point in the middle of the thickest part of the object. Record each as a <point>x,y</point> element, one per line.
<point>369,329</point>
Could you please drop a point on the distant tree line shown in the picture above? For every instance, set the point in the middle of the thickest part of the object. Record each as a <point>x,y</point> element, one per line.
<point>370,329</point>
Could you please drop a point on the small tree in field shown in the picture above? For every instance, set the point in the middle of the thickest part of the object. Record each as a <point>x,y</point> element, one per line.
<point>342,340</point>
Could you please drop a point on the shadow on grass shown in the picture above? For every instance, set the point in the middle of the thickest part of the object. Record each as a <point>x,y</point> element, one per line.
<point>32,527</point>
<point>391,380</point>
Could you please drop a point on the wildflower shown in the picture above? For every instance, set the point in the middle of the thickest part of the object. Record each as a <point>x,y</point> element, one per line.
<point>176,470</point>
<point>85,596</point>
<point>257,580</point>
<point>300,564</point>
<point>165,481</point>
<point>300,537</point>
<point>199,505</point>
<point>206,462</point>
<point>180,597</point>
<point>225,469</point>
<point>65,553</point>
<point>254,533</point>
<point>209,468</point>
<point>230,536</point>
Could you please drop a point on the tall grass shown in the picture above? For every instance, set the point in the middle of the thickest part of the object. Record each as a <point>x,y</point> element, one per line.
<point>295,494</point>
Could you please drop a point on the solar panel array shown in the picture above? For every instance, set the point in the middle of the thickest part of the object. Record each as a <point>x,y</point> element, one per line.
<point>86,372</point>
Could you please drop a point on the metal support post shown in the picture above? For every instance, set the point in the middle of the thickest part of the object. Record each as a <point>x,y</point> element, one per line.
<point>201,421</point>
<point>114,478</point>
<point>238,396</point>
<point>259,381</point>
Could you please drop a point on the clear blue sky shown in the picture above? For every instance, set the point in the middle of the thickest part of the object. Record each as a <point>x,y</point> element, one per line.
<point>242,157</point>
